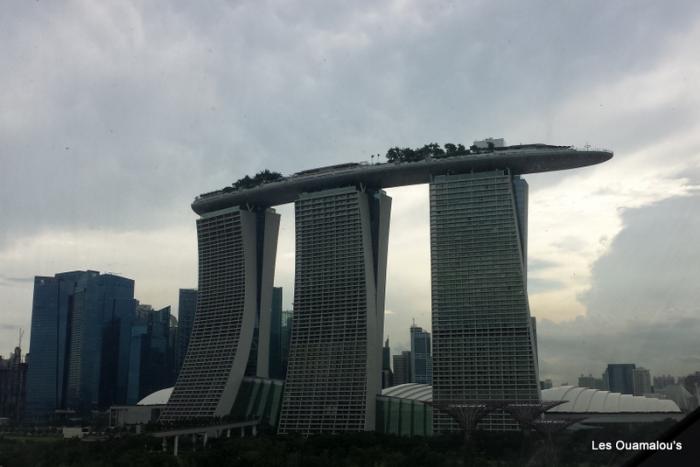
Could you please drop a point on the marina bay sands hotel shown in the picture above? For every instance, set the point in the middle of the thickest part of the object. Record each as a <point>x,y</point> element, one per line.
<point>484,344</point>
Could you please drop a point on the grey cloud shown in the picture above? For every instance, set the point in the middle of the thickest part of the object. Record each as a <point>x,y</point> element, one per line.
<point>15,281</point>
<point>121,114</point>
<point>536,264</point>
<point>535,285</point>
<point>643,304</point>
<point>651,268</point>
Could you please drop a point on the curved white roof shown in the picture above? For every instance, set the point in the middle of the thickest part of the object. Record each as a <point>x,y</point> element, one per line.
<point>413,391</point>
<point>578,400</point>
<point>586,400</point>
<point>157,398</point>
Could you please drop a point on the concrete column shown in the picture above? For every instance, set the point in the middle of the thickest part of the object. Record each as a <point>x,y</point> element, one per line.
<point>204,440</point>
<point>175,446</point>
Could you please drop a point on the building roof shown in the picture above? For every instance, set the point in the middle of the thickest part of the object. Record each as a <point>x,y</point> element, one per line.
<point>157,398</point>
<point>413,391</point>
<point>519,160</point>
<point>587,400</point>
<point>578,400</point>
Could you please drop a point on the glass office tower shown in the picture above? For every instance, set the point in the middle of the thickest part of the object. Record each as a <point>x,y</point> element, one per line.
<point>276,369</point>
<point>237,249</point>
<point>187,304</point>
<point>79,344</point>
<point>335,358</point>
<point>97,310</point>
<point>421,358</point>
<point>483,341</point>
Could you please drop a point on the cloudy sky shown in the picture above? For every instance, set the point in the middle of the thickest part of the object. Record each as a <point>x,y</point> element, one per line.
<point>114,115</point>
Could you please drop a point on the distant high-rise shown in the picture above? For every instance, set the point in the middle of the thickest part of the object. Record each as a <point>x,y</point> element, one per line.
<point>335,358</point>
<point>421,358</point>
<point>276,358</point>
<point>662,381</point>
<point>402,368</point>
<point>151,366</point>
<point>619,377</point>
<point>387,374</point>
<point>98,311</point>
<point>483,337</point>
<point>285,338</point>
<point>153,349</point>
<point>46,375</point>
<point>642,381</point>
<point>79,344</point>
<point>13,384</point>
<point>187,305</point>
<point>590,381</point>
<point>237,249</point>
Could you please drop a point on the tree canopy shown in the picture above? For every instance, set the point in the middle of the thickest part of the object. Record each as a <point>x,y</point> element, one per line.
<point>432,150</point>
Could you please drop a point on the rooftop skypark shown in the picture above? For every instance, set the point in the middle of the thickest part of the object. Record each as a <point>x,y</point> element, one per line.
<point>403,166</point>
<point>393,156</point>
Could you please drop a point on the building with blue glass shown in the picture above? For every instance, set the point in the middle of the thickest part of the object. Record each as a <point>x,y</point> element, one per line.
<point>151,362</point>
<point>276,358</point>
<point>421,358</point>
<point>80,321</point>
<point>619,377</point>
<point>187,305</point>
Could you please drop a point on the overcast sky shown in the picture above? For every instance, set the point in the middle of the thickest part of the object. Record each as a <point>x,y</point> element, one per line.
<point>114,115</point>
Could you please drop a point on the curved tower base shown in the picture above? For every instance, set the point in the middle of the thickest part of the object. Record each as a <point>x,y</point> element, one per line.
<point>483,341</point>
<point>237,251</point>
<point>333,377</point>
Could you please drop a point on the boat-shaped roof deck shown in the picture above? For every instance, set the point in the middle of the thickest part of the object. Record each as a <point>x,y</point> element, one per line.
<point>519,160</point>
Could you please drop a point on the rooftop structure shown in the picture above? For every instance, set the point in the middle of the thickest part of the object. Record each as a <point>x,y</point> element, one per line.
<point>577,400</point>
<point>521,159</point>
<point>587,400</point>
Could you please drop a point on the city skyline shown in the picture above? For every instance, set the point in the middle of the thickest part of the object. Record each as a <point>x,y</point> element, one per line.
<point>102,163</point>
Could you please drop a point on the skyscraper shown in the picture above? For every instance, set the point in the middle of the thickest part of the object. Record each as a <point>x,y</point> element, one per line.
<point>619,377</point>
<point>276,370</point>
<point>662,381</point>
<point>402,368</point>
<point>97,310</point>
<point>187,305</point>
<point>13,385</point>
<point>591,382</point>
<point>285,338</point>
<point>421,358</point>
<point>335,358</point>
<point>387,374</point>
<point>642,381</point>
<point>483,340</point>
<point>155,365</point>
<point>237,249</point>
<point>80,327</point>
<point>46,374</point>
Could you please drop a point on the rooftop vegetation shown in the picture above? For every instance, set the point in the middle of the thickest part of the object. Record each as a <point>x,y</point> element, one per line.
<point>433,150</point>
